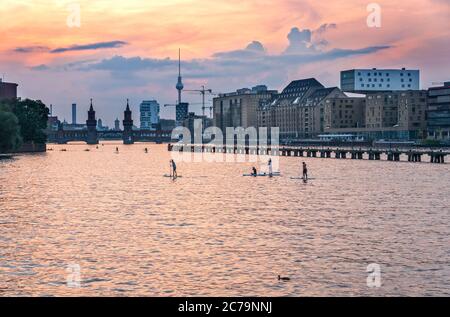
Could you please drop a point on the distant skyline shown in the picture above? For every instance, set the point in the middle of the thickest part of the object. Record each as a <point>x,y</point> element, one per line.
<point>129,49</point>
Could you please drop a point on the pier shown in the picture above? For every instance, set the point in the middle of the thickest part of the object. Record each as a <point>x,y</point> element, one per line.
<point>372,154</point>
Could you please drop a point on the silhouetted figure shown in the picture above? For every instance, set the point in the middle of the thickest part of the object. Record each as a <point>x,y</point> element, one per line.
<point>270,167</point>
<point>254,171</point>
<point>173,169</point>
<point>305,171</point>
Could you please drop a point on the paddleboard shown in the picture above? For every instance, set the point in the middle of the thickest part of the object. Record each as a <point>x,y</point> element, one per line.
<point>262,175</point>
<point>170,176</point>
<point>301,178</point>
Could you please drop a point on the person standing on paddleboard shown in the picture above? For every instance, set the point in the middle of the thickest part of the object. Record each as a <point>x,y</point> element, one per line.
<point>305,171</point>
<point>174,168</point>
<point>270,167</point>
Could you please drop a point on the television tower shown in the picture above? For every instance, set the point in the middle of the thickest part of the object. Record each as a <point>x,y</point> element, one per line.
<point>180,85</point>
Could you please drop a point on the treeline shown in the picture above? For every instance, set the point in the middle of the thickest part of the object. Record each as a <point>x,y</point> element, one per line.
<point>22,121</point>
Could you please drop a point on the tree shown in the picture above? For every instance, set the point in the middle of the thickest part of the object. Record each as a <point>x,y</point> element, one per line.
<point>33,117</point>
<point>10,138</point>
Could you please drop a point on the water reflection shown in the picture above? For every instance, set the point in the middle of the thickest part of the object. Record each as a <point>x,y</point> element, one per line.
<point>213,232</point>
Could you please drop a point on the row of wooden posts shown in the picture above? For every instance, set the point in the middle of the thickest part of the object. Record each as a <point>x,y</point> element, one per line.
<point>338,153</point>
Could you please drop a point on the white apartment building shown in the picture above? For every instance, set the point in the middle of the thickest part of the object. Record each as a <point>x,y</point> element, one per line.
<point>371,80</point>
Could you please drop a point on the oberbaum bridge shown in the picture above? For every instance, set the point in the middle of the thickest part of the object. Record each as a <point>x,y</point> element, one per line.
<point>90,135</point>
<point>129,136</point>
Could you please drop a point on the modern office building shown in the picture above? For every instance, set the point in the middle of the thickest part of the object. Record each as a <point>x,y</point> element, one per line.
<point>438,114</point>
<point>74,113</point>
<point>182,110</point>
<point>8,90</point>
<point>373,80</point>
<point>149,110</point>
<point>239,108</point>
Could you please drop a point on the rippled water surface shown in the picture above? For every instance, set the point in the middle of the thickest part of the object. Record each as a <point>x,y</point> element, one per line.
<point>215,233</point>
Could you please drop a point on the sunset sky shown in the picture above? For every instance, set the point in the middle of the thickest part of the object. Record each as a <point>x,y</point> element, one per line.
<point>127,49</point>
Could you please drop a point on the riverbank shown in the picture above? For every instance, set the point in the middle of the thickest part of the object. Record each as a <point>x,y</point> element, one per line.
<point>28,148</point>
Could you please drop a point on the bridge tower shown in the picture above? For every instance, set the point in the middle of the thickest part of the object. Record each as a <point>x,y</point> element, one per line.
<point>128,137</point>
<point>91,124</point>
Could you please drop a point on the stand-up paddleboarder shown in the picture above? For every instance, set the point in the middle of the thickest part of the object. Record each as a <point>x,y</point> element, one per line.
<point>173,170</point>
<point>270,167</point>
<point>305,172</point>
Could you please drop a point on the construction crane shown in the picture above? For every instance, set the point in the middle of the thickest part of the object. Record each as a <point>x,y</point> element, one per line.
<point>204,91</point>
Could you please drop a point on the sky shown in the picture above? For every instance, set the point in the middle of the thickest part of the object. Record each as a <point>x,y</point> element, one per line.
<point>114,50</point>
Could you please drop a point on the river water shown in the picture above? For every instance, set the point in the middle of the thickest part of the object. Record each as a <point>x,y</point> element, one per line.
<point>99,223</point>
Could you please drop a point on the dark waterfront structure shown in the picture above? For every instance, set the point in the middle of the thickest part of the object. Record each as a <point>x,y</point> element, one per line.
<point>91,135</point>
<point>91,124</point>
<point>372,154</point>
<point>8,90</point>
<point>128,126</point>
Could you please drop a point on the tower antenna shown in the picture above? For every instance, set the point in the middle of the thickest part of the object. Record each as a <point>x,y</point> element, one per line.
<point>180,85</point>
